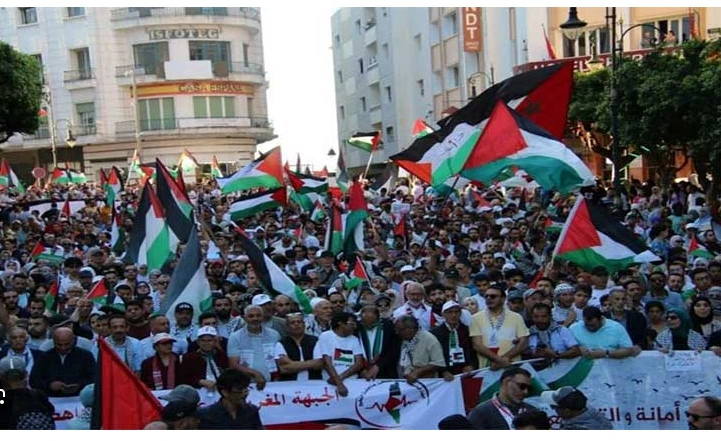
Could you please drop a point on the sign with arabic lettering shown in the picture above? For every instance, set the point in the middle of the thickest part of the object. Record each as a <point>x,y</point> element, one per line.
<point>380,404</point>
<point>634,393</point>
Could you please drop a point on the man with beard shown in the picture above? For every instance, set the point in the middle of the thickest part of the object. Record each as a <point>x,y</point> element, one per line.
<point>704,414</point>
<point>269,318</point>
<point>319,321</point>
<point>283,305</point>
<point>222,307</point>
<point>634,322</point>
<point>250,349</point>
<point>138,326</point>
<point>550,340</point>
<point>498,412</point>
<point>183,327</point>
<point>380,344</point>
<point>38,331</point>
<point>127,348</point>
<point>294,352</point>
<point>415,306</point>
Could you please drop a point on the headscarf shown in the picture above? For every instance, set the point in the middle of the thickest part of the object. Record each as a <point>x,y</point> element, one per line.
<point>697,321</point>
<point>683,330</point>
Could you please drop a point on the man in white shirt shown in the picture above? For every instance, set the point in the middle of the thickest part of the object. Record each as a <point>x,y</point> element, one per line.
<point>341,351</point>
<point>599,279</point>
<point>251,349</point>
<point>415,306</point>
<point>160,324</point>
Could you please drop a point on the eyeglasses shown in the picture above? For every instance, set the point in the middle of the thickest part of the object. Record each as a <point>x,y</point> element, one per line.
<point>522,386</point>
<point>696,417</point>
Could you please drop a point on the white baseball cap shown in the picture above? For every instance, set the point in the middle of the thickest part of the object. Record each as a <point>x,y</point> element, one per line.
<point>261,299</point>
<point>407,268</point>
<point>161,337</point>
<point>207,330</point>
<point>449,305</point>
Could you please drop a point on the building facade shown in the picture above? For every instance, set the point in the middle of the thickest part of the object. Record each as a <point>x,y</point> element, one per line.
<point>197,74</point>
<point>396,65</point>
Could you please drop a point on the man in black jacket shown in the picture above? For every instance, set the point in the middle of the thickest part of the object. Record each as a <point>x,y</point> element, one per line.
<point>17,347</point>
<point>294,352</point>
<point>64,370</point>
<point>498,412</point>
<point>381,345</point>
<point>23,408</point>
<point>455,341</point>
<point>634,322</point>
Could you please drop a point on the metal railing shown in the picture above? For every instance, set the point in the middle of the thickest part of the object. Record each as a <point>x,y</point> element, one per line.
<point>180,124</point>
<point>222,69</point>
<point>43,132</point>
<point>581,64</point>
<point>85,129</point>
<point>133,13</point>
<point>79,75</point>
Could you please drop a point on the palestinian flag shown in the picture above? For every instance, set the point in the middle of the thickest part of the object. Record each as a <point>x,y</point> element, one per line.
<point>542,95</point>
<point>65,211</point>
<point>134,166</point>
<point>273,279</point>
<point>307,189</point>
<point>305,201</point>
<point>353,221</point>
<point>334,229</point>
<point>8,177</point>
<point>77,177</point>
<point>452,185</point>
<point>181,182</point>
<point>358,276</point>
<point>187,162</point>
<point>178,208</point>
<point>510,139</point>
<point>60,176</point>
<point>117,234</point>
<point>258,202</point>
<point>342,175</point>
<point>421,129</point>
<point>367,141</point>
<point>215,168</point>
<point>113,185</point>
<point>188,282</point>
<point>477,197</point>
<point>150,241</point>
<point>98,293</point>
<point>103,178</point>
<point>264,172</point>
<point>318,212</point>
<point>697,250</point>
<point>590,238</point>
<point>121,400</point>
<point>51,299</point>
<point>53,255</point>
<point>554,224</point>
<point>386,180</point>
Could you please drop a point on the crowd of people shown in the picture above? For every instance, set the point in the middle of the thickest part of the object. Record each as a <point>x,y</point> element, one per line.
<point>471,283</point>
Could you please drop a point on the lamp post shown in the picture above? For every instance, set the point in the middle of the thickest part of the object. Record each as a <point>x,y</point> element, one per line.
<point>136,114</point>
<point>475,78</point>
<point>70,140</point>
<point>572,28</point>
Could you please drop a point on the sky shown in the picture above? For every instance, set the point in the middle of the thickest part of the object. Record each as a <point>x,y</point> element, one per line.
<point>301,93</point>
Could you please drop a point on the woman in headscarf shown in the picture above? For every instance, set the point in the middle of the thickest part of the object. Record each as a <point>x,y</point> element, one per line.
<point>679,336</point>
<point>702,320</point>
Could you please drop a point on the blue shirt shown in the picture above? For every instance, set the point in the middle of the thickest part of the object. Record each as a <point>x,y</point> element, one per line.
<point>611,335</point>
<point>560,339</point>
<point>670,300</point>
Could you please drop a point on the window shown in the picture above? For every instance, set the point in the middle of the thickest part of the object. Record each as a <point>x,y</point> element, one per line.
<point>389,95</point>
<point>386,53</point>
<point>421,88</point>
<point>28,15</point>
<point>450,25</point>
<point>150,56</point>
<point>210,50</point>
<point>39,59</point>
<point>342,112</point>
<point>86,116</point>
<point>340,77</point>
<point>452,77</point>
<point>360,65</point>
<point>246,58</point>
<point>363,104</point>
<point>419,42</point>
<point>569,47</point>
<point>156,114</point>
<point>206,11</point>
<point>249,105</point>
<point>358,27</point>
<point>82,62</point>
<point>143,12</point>
<point>75,12</point>
<point>390,134</point>
<point>214,106</point>
<point>673,31</point>
<point>337,40</point>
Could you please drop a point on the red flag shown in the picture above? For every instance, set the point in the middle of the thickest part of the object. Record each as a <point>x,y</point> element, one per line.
<point>66,207</point>
<point>125,402</point>
<point>98,292</point>
<point>103,178</point>
<point>536,278</point>
<point>549,46</point>
<point>181,182</point>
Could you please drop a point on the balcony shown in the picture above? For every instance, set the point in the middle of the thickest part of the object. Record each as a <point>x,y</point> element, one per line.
<point>123,18</point>
<point>43,132</point>
<point>85,129</point>
<point>239,71</point>
<point>580,64</point>
<point>256,127</point>
<point>79,79</point>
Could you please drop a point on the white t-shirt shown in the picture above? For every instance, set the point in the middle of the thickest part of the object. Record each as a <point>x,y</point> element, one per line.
<point>342,350</point>
<point>279,351</point>
<point>596,295</point>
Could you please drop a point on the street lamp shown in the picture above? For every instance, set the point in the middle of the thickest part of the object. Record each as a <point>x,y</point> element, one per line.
<point>331,152</point>
<point>573,27</point>
<point>476,77</point>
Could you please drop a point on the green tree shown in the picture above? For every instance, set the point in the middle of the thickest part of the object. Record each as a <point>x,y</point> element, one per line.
<point>20,92</point>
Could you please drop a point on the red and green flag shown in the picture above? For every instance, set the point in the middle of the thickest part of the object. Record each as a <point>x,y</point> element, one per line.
<point>51,254</point>
<point>98,294</point>
<point>8,177</point>
<point>353,221</point>
<point>215,168</point>
<point>367,141</point>
<point>51,299</point>
<point>178,208</point>
<point>334,231</point>
<point>697,250</point>
<point>258,202</point>
<point>358,276</point>
<point>264,172</point>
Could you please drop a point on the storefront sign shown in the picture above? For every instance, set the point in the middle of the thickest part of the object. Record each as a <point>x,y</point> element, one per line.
<point>472,29</point>
<point>169,34</point>
<point>195,88</point>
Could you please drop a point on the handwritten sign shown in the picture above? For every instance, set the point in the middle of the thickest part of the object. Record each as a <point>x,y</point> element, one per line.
<point>686,361</point>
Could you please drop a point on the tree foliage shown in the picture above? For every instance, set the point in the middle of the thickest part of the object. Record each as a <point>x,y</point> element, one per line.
<point>669,103</point>
<point>20,92</point>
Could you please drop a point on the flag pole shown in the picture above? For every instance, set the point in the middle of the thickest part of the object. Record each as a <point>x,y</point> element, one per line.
<point>370,158</point>
<point>445,200</point>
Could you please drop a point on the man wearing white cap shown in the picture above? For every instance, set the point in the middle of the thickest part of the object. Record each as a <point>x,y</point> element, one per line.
<point>408,272</point>
<point>455,341</point>
<point>202,368</point>
<point>162,370</point>
<point>319,321</point>
<point>251,349</point>
<point>269,318</point>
